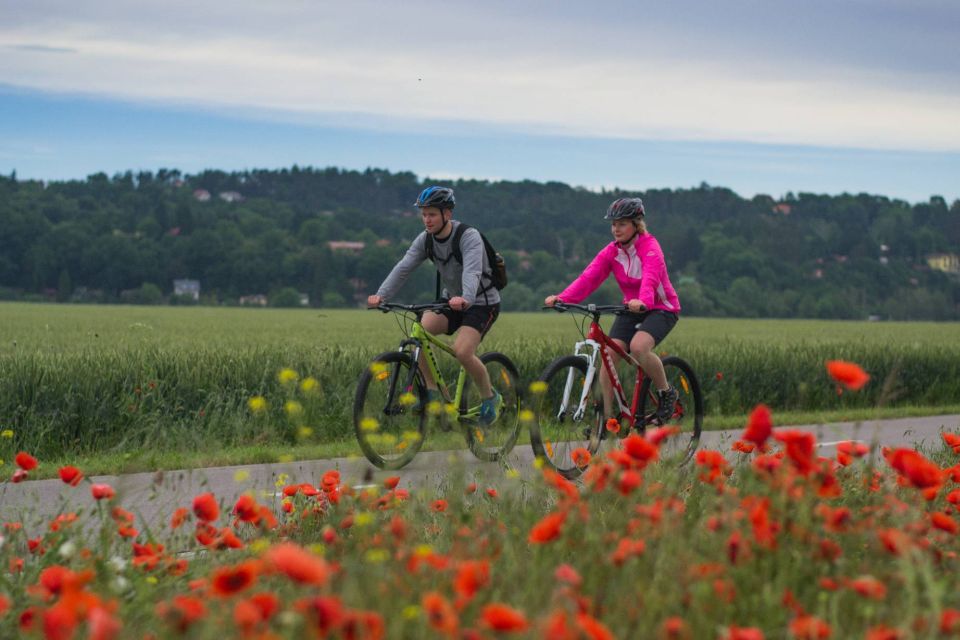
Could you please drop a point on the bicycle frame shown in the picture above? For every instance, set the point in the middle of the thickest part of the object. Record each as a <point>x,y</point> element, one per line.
<point>598,342</point>
<point>421,341</point>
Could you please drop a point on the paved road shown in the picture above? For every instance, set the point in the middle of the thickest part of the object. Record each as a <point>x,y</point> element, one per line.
<point>154,496</point>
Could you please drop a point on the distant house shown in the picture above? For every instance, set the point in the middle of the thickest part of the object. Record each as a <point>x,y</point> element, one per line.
<point>189,288</point>
<point>383,242</point>
<point>201,195</point>
<point>782,207</point>
<point>230,196</point>
<point>256,300</point>
<point>346,245</point>
<point>946,262</point>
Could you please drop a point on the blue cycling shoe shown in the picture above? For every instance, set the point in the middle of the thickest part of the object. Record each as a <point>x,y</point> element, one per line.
<point>490,408</point>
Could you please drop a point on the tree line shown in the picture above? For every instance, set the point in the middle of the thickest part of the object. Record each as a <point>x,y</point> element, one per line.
<point>127,237</point>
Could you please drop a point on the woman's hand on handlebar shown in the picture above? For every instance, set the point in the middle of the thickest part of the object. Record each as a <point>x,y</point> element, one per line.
<point>636,306</point>
<point>550,300</point>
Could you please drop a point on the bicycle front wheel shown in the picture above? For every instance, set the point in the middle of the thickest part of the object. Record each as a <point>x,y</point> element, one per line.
<point>495,440</point>
<point>686,414</point>
<point>562,425</point>
<point>390,410</point>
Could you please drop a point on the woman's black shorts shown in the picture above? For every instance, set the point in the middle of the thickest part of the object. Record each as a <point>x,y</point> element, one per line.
<point>657,323</point>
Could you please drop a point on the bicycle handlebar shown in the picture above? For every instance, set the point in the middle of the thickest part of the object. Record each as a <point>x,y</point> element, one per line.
<point>386,307</point>
<point>588,309</point>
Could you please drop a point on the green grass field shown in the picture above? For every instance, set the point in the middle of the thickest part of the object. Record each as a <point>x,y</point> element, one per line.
<point>119,381</point>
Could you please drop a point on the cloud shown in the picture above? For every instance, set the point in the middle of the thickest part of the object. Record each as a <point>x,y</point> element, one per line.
<point>774,72</point>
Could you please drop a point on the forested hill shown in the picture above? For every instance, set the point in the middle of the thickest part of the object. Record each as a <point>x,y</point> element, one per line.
<point>126,238</point>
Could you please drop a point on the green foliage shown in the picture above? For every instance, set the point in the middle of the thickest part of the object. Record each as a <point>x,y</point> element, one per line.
<point>846,256</point>
<point>74,379</point>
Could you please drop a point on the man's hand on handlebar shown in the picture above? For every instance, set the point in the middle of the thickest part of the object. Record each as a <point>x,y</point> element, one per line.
<point>373,301</point>
<point>457,303</point>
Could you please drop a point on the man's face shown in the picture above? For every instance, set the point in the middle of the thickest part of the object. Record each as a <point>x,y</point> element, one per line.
<point>433,219</point>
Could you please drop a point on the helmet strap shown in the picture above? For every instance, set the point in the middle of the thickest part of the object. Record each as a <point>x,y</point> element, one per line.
<point>446,223</point>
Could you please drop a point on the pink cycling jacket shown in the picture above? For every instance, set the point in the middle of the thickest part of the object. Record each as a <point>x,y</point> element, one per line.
<point>640,271</point>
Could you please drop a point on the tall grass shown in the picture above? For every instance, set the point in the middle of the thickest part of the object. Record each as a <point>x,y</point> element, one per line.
<point>77,379</point>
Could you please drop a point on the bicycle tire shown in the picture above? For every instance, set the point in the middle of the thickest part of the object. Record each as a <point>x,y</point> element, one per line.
<point>555,434</point>
<point>388,424</point>
<point>492,442</point>
<point>688,412</point>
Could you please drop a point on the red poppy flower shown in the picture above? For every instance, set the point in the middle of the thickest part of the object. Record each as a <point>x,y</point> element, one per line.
<point>229,580</point>
<point>25,461</point>
<point>179,516</point>
<point>674,628</point>
<point>952,440</point>
<point>491,492</point>
<point>869,587</point>
<point>548,528</point>
<point>612,425</point>
<point>440,613</point>
<point>580,457</point>
<point>439,505</point>
<point>182,611</point>
<point>592,628</point>
<point>743,447</point>
<point>102,491</point>
<point>944,522</point>
<point>759,425</point>
<point>297,563</point>
<point>206,508</point>
<point>659,434</point>
<point>848,374</point>
<point>640,450</point>
<point>629,480</point>
<point>568,575</point>
<point>247,509</point>
<point>71,475</point>
<point>501,617</point>
<point>471,576</point>
<point>800,447</point>
<point>19,476</point>
<point>949,621</point>
<point>744,633</point>
<point>806,627</point>
<point>391,482</point>
<point>915,468</point>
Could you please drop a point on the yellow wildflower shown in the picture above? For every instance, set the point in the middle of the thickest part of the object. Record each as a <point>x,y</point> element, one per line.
<point>286,376</point>
<point>309,384</point>
<point>257,404</point>
<point>292,408</point>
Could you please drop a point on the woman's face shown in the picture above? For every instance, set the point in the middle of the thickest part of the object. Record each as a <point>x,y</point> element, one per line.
<point>622,230</point>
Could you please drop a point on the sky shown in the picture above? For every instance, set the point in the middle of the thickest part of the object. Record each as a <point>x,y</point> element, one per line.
<point>761,96</point>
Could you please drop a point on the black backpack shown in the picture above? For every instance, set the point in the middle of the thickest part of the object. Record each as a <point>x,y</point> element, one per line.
<point>498,268</point>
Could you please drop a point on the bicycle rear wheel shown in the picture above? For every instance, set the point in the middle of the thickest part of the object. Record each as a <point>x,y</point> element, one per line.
<point>557,430</point>
<point>493,441</point>
<point>389,411</point>
<point>687,412</point>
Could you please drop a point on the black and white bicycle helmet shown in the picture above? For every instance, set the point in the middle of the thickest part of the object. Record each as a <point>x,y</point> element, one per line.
<point>625,209</point>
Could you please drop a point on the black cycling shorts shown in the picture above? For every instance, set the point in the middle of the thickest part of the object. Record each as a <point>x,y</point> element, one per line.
<point>478,316</point>
<point>657,323</point>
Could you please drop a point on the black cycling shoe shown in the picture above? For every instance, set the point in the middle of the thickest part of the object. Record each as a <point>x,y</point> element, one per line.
<point>666,404</point>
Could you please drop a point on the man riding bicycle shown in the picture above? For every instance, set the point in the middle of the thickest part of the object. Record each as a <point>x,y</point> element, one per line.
<point>468,289</point>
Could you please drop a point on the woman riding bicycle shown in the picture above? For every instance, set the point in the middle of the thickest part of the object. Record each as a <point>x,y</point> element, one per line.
<point>637,263</point>
<point>468,289</point>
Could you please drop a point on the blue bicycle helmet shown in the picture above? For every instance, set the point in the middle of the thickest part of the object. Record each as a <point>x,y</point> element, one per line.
<point>625,209</point>
<point>440,197</point>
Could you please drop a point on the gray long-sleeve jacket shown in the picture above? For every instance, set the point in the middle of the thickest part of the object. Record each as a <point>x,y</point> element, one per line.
<point>457,280</point>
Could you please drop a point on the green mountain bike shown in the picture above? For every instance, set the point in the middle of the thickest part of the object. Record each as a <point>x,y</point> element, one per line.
<point>391,410</point>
